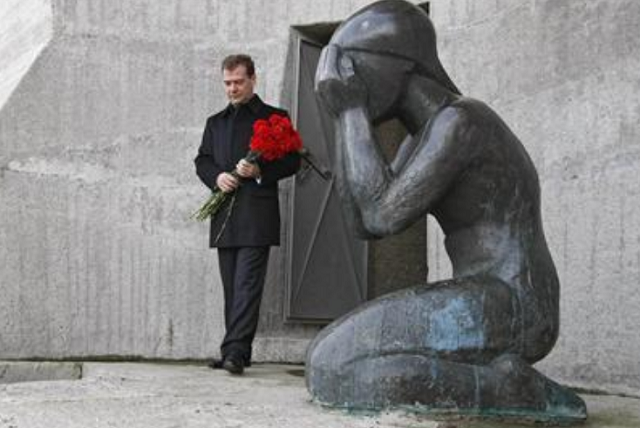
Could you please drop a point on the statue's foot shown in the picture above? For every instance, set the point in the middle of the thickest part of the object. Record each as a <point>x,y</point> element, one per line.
<point>518,390</point>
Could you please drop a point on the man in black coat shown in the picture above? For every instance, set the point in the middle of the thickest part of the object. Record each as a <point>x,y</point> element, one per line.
<point>243,231</point>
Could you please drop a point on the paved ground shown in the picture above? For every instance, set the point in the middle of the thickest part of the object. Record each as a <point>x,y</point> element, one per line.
<point>136,395</point>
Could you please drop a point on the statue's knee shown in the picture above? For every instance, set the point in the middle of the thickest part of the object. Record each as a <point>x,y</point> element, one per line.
<point>351,338</point>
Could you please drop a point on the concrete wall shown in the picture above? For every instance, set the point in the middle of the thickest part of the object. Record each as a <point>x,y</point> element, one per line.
<point>97,254</point>
<point>27,27</point>
<point>564,75</point>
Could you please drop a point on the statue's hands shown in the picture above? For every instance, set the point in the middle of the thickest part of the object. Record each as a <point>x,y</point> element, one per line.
<point>337,83</point>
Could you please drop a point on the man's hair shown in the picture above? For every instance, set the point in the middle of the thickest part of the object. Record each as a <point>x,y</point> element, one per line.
<point>233,61</point>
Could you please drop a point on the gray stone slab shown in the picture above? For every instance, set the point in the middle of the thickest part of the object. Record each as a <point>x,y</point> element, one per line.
<point>136,395</point>
<point>25,371</point>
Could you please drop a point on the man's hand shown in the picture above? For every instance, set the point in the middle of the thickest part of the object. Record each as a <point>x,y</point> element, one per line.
<point>337,82</point>
<point>247,169</point>
<point>227,182</point>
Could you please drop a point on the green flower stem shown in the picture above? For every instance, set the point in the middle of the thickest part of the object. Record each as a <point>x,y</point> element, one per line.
<point>212,206</point>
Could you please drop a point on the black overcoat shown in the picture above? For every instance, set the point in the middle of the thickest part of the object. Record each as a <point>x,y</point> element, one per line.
<point>255,215</point>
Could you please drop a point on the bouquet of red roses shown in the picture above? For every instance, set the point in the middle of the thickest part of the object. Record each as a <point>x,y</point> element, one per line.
<point>272,139</point>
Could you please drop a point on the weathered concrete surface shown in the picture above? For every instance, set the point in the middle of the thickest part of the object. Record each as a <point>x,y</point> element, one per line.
<point>564,76</point>
<point>26,371</point>
<point>168,396</point>
<point>26,28</point>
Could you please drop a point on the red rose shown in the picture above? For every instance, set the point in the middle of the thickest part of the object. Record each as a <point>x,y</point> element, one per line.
<point>274,138</point>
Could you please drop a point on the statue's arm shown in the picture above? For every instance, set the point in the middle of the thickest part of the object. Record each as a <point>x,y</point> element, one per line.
<point>406,149</point>
<point>390,201</point>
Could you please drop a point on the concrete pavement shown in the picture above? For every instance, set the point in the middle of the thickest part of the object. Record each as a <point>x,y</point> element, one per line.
<point>143,395</point>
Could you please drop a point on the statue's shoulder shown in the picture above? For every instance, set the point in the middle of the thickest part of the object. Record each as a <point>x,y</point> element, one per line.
<point>469,106</point>
<point>466,112</point>
<point>464,121</point>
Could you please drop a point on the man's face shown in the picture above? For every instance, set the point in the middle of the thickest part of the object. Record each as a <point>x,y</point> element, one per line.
<point>238,85</point>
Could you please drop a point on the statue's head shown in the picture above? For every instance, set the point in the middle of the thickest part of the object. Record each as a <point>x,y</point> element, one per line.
<point>387,41</point>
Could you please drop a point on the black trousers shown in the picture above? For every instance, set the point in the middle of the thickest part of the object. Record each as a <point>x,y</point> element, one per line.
<point>243,270</point>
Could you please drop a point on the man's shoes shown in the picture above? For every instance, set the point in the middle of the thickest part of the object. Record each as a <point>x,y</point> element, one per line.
<point>233,365</point>
<point>217,364</point>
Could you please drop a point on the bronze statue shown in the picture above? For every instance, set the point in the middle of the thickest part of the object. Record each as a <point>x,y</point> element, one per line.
<point>463,345</point>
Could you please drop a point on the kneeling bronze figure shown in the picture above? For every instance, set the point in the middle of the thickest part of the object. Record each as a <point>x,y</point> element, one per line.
<point>464,345</point>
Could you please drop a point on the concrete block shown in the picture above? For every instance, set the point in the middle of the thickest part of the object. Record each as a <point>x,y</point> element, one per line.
<point>27,28</point>
<point>26,371</point>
